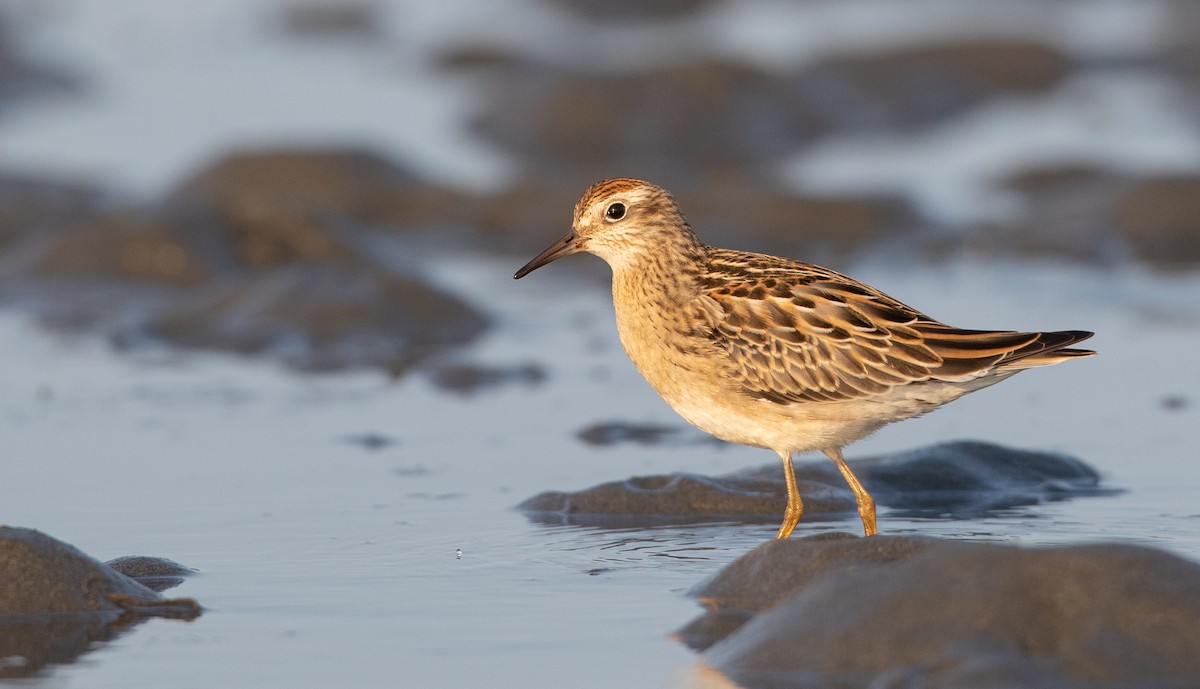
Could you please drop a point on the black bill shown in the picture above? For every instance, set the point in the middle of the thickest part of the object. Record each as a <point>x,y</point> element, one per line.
<point>565,246</point>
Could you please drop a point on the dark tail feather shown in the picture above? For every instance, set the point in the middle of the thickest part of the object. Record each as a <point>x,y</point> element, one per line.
<point>1048,348</point>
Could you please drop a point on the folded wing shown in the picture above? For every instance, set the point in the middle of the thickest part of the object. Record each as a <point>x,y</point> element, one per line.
<point>794,332</point>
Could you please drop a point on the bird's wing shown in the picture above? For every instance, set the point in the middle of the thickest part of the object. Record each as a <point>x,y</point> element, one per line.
<point>795,332</point>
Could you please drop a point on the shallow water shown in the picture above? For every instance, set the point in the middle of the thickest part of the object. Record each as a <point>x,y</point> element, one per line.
<point>325,562</point>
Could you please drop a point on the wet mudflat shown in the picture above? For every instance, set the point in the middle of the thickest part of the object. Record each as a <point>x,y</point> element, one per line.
<point>257,317</point>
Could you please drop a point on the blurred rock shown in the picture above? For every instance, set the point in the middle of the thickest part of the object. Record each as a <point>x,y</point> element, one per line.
<point>355,19</point>
<point>21,76</point>
<point>890,611</point>
<point>371,441</point>
<point>124,244</point>
<point>1062,215</point>
<point>29,205</point>
<point>630,11</point>
<point>1087,213</point>
<point>274,238</point>
<point>298,180</point>
<point>1054,179</point>
<point>1160,219</point>
<point>56,602</point>
<point>528,215</point>
<point>689,121</point>
<point>256,187</point>
<point>740,213</point>
<point>269,253</point>
<point>957,480</point>
<point>1181,34</point>
<point>1174,402</point>
<point>614,432</point>
<point>674,122</point>
<point>468,379</point>
<point>925,84</point>
<point>321,317</point>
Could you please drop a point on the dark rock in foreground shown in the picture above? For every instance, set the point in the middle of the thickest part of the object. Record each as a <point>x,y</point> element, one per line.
<point>962,480</point>
<point>891,611</point>
<point>56,601</point>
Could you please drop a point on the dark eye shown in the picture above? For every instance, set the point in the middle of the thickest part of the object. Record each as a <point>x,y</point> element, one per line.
<point>616,211</point>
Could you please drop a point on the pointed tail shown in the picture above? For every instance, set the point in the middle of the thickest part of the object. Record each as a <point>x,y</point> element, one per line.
<point>1049,348</point>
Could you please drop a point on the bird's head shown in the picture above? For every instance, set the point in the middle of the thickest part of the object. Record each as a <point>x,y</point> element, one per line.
<point>619,220</point>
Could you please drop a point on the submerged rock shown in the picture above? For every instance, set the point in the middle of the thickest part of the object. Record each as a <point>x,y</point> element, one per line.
<point>56,600</point>
<point>681,497</point>
<point>961,480</point>
<point>966,479</point>
<point>892,611</point>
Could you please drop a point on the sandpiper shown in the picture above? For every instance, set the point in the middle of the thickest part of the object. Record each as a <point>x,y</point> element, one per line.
<point>774,353</point>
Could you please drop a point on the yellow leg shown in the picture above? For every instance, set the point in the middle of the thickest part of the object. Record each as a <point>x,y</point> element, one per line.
<point>795,506</point>
<point>866,504</point>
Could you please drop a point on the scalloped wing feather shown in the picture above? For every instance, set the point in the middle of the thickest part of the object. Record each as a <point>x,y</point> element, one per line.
<point>795,332</point>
